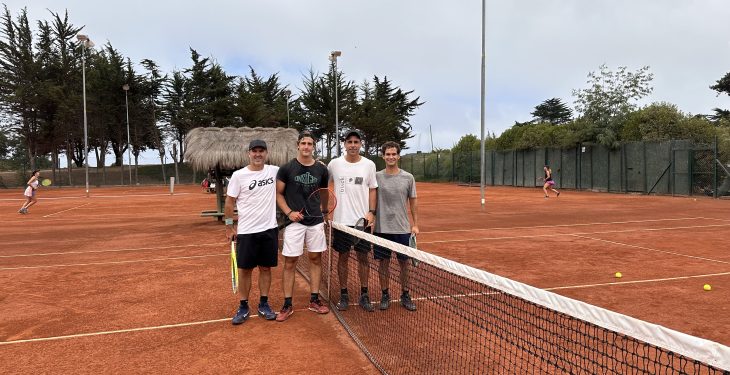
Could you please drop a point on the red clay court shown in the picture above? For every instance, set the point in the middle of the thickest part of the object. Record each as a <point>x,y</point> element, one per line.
<point>134,280</point>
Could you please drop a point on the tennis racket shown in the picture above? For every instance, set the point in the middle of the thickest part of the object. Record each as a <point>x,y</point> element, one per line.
<point>412,243</point>
<point>234,268</point>
<point>322,198</point>
<point>360,225</point>
<point>46,182</point>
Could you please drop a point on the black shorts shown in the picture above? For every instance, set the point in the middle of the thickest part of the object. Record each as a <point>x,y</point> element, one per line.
<point>342,242</point>
<point>384,253</point>
<point>258,249</point>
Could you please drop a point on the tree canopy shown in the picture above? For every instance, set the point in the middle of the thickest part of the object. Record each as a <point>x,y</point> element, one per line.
<point>40,97</point>
<point>552,111</point>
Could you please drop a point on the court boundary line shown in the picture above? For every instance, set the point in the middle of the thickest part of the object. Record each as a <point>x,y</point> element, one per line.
<point>101,216</point>
<point>108,251</point>
<point>636,281</point>
<point>573,234</point>
<point>96,196</point>
<point>73,208</point>
<point>652,249</point>
<point>107,263</point>
<point>714,218</point>
<point>126,330</point>
<point>477,294</point>
<point>570,225</point>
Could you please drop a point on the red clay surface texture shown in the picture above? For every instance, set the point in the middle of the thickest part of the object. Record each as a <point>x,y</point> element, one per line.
<point>133,279</point>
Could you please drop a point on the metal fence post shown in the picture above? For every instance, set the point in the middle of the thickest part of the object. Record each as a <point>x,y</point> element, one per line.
<point>437,165</point>
<point>453,166</point>
<point>643,152</point>
<point>624,170</point>
<point>470,162</point>
<point>715,158</point>
<point>412,169</point>
<point>425,174</point>
<point>671,168</point>
<point>691,179</point>
<point>514,167</point>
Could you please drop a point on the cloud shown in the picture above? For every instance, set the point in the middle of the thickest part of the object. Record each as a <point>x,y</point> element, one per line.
<point>536,49</point>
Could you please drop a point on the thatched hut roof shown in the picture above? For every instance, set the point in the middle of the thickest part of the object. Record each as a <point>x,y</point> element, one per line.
<point>228,147</point>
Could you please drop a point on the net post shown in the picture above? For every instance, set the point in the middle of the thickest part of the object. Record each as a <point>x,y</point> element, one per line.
<point>172,185</point>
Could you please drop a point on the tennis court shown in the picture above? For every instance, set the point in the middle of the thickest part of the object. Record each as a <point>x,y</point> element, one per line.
<point>134,280</point>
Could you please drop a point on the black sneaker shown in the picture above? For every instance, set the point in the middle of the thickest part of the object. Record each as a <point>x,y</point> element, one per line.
<point>241,315</point>
<point>405,300</point>
<point>344,302</point>
<point>364,302</point>
<point>266,312</point>
<point>384,301</point>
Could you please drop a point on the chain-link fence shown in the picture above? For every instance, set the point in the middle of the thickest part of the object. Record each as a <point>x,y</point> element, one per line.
<point>677,167</point>
<point>76,176</point>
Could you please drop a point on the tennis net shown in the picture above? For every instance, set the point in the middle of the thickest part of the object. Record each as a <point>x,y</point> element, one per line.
<point>468,321</point>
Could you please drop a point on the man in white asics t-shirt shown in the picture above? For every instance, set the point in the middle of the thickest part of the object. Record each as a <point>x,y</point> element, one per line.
<point>252,190</point>
<point>355,187</point>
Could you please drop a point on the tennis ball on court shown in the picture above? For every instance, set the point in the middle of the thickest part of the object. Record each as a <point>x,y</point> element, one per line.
<point>618,275</point>
<point>707,287</point>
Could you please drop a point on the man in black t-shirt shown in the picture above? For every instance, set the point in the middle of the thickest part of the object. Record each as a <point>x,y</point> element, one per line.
<point>296,186</point>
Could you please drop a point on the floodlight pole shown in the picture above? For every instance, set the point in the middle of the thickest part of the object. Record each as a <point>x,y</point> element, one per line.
<point>125,87</point>
<point>483,74</point>
<point>333,58</point>
<point>85,43</point>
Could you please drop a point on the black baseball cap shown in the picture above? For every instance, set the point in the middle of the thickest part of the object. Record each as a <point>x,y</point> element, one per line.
<point>256,143</point>
<point>353,132</point>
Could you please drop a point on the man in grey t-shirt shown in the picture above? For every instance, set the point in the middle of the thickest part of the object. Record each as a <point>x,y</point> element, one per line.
<point>396,192</point>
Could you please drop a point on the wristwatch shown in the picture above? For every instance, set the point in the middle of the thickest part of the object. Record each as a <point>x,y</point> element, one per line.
<point>372,212</point>
<point>229,221</point>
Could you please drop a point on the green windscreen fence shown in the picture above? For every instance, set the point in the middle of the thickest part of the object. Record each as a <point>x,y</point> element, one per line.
<point>677,167</point>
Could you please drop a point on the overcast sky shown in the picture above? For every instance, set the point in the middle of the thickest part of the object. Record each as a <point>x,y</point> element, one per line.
<point>536,49</point>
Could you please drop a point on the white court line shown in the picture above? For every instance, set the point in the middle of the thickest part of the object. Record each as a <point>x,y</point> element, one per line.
<point>138,195</point>
<point>567,225</point>
<point>574,234</point>
<point>94,196</point>
<point>110,251</point>
<point>106,263</point>
<point>499,292</point>
<point>638,281</point>
<point>651,249</point>
<point>141,329</point>
<point>60,212</point>
<point>714,218</point>
<point>101,216</point>
<point>128,330</point>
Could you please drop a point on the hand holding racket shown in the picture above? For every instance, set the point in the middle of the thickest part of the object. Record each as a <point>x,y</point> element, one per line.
<point>322,198</point>
<point>360,225</point>
<point>231,231</point>
<point>234,268</point>
<point>412,243</point>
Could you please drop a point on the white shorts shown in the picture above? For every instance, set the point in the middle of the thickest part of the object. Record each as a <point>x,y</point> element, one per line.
<point>296,234</point>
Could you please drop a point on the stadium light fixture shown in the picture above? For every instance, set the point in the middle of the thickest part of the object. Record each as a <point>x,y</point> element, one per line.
<point>333,58</point>
<point>125,87</point>
<point>85,43</point>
